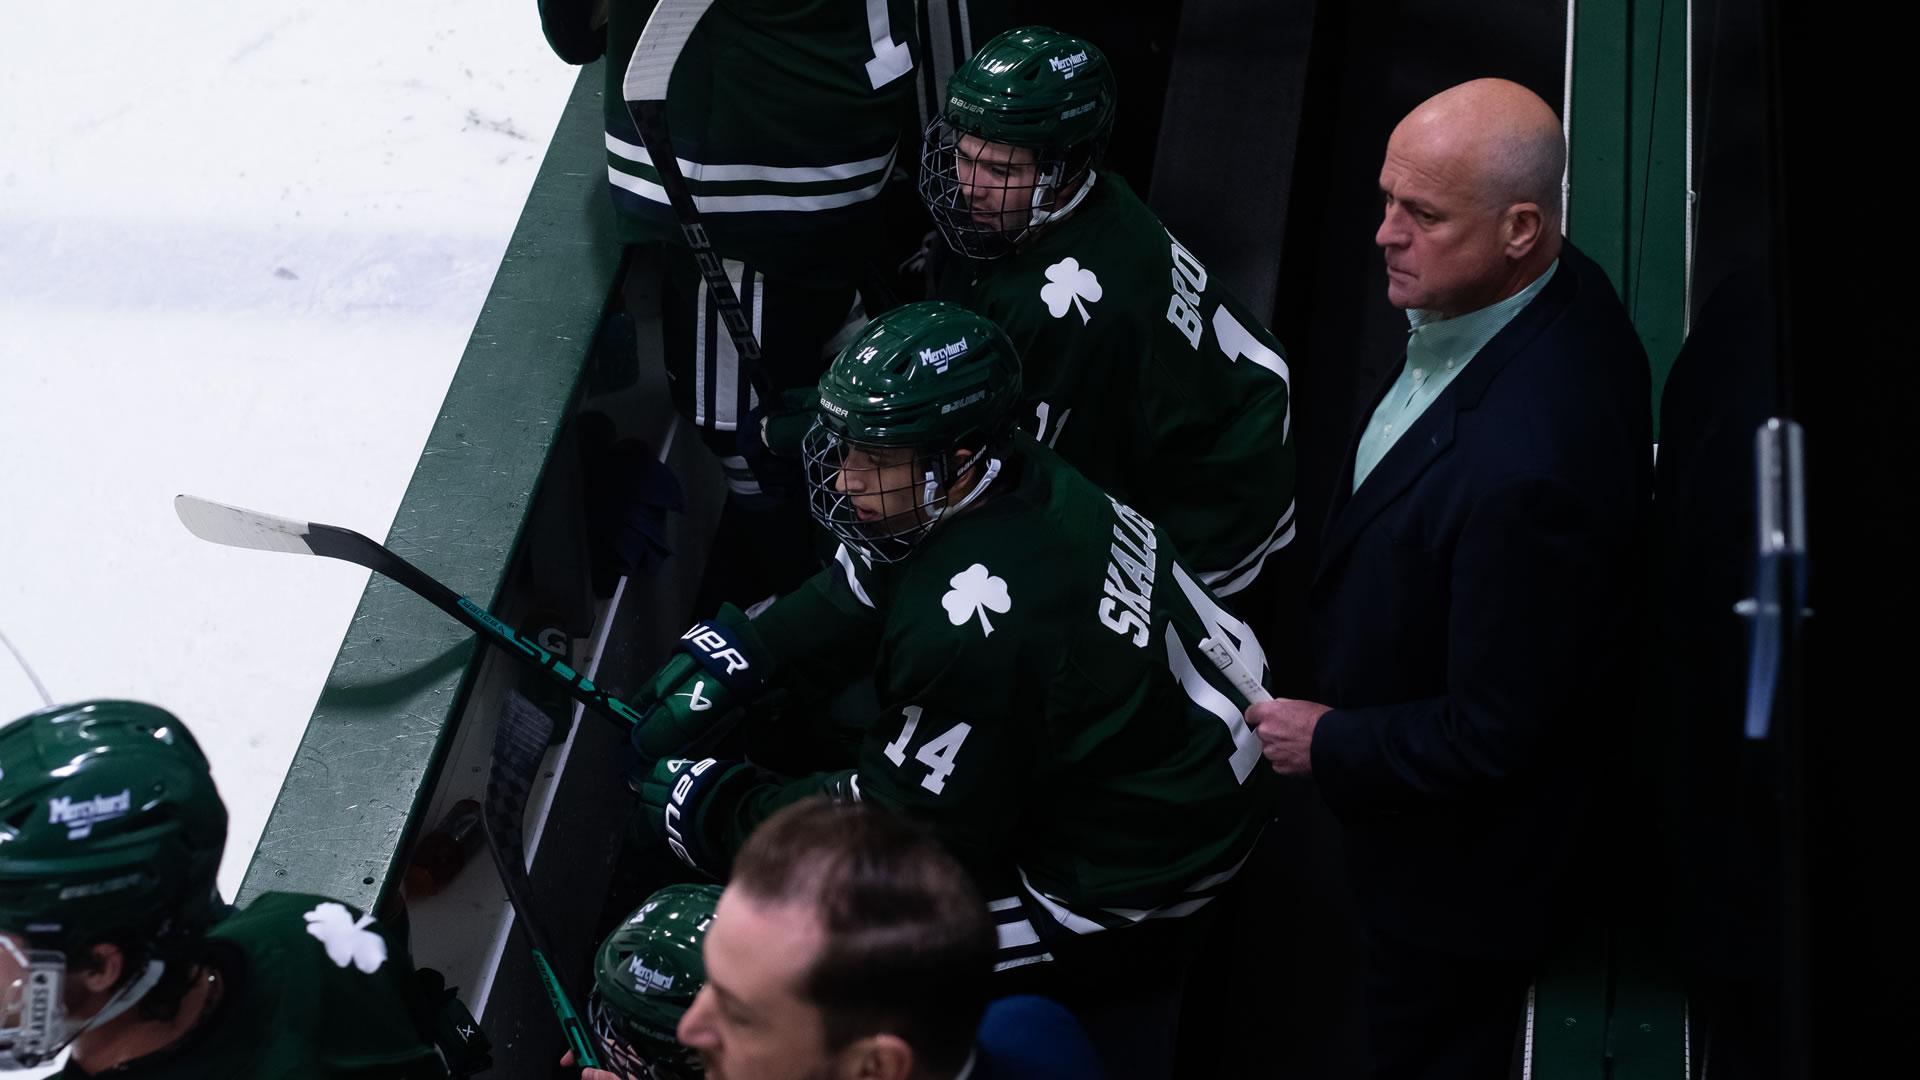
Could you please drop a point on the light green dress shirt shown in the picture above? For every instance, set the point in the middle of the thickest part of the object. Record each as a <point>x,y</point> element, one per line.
<point>1437,350</point>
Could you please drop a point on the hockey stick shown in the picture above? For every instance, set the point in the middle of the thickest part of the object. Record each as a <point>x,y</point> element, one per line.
<point>519,743</point>
<point>1235,669</point>
<point>645,89</point>
<point>234,527</point>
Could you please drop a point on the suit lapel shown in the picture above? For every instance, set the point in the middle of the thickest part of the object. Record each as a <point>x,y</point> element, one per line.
<point>1423,442</point>
<point>1431,435</point>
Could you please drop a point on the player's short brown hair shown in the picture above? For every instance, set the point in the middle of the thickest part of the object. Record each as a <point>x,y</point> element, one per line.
<point>908,946</point>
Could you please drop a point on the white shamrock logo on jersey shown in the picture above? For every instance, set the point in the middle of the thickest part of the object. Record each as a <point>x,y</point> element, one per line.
<point>1071,283</point>
<point>975,592</point>
<point>347,941</point>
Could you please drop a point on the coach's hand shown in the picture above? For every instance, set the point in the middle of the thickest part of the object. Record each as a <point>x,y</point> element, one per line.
<point>1285,727</point>
<point>719,666</point>
<point>566,1061</point>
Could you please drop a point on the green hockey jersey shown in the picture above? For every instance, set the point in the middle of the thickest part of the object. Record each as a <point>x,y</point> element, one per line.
<point>786,118</point>
<point>311,990</point>
<point>1149,377</point>
<point>1045,706</point>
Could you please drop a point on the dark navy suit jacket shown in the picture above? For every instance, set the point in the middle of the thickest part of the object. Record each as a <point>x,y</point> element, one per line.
<point>1470,623</point>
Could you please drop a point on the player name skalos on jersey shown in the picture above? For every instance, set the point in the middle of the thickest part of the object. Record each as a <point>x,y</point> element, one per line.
<point>1128,605</point>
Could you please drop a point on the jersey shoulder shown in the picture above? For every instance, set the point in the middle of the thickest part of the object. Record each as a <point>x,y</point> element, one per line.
<point>1087,276</point>
<point>329,989</point>
<point>1020,581</point>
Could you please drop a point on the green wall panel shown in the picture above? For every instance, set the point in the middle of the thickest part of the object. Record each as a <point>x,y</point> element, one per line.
<point>1627,166</point>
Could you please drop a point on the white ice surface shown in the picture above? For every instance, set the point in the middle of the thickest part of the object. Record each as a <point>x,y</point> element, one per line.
<point>241,248</point>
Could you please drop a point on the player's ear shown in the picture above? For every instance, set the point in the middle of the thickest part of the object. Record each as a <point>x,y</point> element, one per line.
<point>877,1057</point>
<point>102,969</point>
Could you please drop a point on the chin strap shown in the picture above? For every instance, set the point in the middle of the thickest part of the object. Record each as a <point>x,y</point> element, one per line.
<point>934,513</point>
<point>127,998</point>
<point>1041,217</point>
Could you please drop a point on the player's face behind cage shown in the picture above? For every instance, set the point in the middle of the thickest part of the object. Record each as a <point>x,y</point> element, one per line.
<point>987,196</point>
<point>879,499</point>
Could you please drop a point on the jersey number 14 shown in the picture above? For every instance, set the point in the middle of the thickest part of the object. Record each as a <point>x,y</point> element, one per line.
<point>938,755</point>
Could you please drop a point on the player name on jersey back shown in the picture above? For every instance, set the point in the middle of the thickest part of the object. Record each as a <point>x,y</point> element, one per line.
<point>1127,607</point>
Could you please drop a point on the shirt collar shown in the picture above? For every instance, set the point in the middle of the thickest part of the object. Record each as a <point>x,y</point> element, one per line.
<point>1438,330</point>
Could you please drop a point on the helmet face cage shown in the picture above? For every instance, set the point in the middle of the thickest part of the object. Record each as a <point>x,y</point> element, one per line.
<point>626,1059</point>
<point>33,1014</point>
<point>988,197</point>
<point>887,502</point>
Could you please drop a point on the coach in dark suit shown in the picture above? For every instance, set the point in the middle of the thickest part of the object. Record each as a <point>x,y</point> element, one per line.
<point>1469,613</point>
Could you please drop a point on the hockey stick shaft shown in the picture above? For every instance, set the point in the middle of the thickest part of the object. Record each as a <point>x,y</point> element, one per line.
<point>519,743</point>
<point>650,117</point>
<point>645,86</point>
<point>234,527</point>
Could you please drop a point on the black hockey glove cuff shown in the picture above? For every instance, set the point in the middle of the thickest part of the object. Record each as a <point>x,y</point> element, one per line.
<point>678,799</point>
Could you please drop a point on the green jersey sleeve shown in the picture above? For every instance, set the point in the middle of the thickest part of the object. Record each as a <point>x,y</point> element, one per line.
<point>827,630</point>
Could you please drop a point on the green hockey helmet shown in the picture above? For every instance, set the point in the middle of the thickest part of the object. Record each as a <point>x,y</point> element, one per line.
<point>922,383</point>
<point>645,977</point>
<point>110,828</point>
<point>1024,125</point>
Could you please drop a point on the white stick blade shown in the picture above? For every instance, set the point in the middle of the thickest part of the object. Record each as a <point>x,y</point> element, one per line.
<point>666,33</point>
<point>234,527</point>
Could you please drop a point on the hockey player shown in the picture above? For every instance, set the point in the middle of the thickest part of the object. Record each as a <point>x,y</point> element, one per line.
<point>1140,369</point>
<point>113,941</point>
<point>787,118</point>
<point>645,976</point>
<point>1047,705</point>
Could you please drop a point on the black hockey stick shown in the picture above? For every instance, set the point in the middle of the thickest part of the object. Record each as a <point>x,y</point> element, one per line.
<point>645,89</point>
<point>519,743</point>
<point>234,527</point>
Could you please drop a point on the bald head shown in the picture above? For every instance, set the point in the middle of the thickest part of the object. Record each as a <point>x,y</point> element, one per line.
<point>1507,142</point>
<point>1472,179</point>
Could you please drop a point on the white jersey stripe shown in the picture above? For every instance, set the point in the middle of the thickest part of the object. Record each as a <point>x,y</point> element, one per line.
<point>1242,578</point>
<point>1221,878</point>
<point>1241,574</point>
<point>845,558</point>
<point>696,172</point>
<point>742,204</point>
<point>1171,911</point>
<point>1076,923</point>
<point>1023,961</point>
<point>1015,934</point>
<point>1246,745</point>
